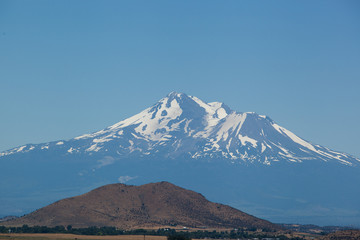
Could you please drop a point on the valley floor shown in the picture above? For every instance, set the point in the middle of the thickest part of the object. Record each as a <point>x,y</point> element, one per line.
<point>57,236</point>
<point>61,236</point>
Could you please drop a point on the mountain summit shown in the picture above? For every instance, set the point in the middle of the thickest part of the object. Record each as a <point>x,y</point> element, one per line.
<point>184,126</point>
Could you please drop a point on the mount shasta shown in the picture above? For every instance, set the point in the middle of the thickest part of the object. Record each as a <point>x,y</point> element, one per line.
<point>242,159</point>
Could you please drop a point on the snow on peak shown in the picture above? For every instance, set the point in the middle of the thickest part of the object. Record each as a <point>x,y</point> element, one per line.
<point>175,94</point>
<point>293,137</point>
<point>183,124</point>
<point>169,111</point>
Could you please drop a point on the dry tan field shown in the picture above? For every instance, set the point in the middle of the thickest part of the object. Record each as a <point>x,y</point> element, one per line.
<point>56,236</point>
<point>60,236</point>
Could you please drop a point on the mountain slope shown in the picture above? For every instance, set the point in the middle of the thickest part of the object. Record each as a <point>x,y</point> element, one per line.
<point>184,126</point>
<point>151,205</point>
<point>245,160</point>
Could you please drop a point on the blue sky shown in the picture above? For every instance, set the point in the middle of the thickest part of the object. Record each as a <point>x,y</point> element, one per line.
<point>74,67</point>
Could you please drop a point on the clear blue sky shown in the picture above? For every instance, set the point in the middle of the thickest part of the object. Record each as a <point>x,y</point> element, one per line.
<point>74,67</point>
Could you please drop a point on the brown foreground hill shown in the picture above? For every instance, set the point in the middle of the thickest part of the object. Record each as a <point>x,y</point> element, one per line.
<point>147,206</point>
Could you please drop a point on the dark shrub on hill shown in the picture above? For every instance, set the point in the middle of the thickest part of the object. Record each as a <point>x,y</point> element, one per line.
<point>178,237</point>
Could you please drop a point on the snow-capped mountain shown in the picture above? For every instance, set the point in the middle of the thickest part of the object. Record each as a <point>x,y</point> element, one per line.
<point>244,160</point>
<point>184,126</point>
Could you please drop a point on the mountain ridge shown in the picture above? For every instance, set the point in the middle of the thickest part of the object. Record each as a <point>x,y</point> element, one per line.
<point>184,126</point>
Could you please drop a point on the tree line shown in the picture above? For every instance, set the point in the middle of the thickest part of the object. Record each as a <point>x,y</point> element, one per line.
<point>171,234</point>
